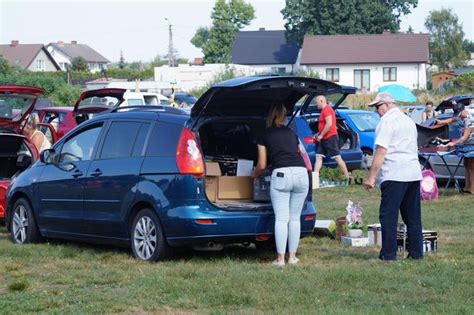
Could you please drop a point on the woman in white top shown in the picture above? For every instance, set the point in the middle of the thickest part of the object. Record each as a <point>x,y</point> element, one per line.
<point>34,135</point>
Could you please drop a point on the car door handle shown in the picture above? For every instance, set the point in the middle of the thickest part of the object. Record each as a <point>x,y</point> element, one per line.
<point>77,174</point>
<point>96,173</point>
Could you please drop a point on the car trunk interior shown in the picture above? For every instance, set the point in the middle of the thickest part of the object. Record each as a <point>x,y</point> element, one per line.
<point>225,144</point>
<point>14,155</point>
<point>346,136</point>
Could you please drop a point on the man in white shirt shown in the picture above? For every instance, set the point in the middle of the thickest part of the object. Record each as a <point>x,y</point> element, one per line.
<point>396,170</point>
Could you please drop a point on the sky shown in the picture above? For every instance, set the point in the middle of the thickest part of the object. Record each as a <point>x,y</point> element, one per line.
<point>140,28</point>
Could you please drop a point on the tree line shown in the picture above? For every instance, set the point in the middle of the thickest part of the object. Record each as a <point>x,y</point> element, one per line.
<point>328,17</point>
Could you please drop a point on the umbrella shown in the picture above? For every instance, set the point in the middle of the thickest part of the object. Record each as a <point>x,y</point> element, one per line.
<point>398,92</point>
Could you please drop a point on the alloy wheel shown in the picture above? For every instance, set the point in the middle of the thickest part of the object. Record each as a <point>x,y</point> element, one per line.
<point>145,238</point>
<point>20,224</point>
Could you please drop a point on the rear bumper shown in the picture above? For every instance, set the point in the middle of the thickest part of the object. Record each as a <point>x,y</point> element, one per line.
<point>226,226</point>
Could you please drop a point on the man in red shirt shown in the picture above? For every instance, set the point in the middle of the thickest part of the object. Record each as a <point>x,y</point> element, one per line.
<point>327,137</point>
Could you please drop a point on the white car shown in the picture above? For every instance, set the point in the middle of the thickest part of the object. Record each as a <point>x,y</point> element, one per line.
<point>144,98</point>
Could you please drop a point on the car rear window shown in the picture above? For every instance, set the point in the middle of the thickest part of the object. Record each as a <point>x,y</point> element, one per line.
<point>123,139</point>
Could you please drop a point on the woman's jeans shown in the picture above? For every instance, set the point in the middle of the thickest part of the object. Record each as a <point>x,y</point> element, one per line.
<point>288,191</point>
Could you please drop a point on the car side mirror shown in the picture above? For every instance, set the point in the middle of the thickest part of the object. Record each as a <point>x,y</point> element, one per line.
<point>47,156</point>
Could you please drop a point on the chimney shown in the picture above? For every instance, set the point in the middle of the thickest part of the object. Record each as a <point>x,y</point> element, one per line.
<point>60,43</point>
<point>198,61</point>
<point>74,42</point>
<point>13,43</point>
<point>262,29</point>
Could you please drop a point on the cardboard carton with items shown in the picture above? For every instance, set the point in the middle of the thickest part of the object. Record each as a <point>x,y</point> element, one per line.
<point>229,181</point>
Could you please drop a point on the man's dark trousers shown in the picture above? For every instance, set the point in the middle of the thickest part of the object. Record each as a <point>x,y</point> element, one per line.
<point>406,197</point>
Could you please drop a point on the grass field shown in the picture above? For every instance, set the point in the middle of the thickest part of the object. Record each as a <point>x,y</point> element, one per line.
<point>65,277</point>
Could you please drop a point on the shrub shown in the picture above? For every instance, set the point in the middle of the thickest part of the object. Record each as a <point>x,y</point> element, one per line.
<point>65,95</point>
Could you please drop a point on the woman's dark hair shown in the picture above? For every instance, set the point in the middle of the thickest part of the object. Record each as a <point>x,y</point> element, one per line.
<point>429,103</point>
<point>276,116</point>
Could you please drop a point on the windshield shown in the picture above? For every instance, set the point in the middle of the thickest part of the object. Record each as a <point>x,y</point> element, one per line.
<point>365,121</point>
<point>14,106</point>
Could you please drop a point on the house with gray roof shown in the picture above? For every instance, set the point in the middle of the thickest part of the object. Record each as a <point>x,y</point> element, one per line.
<point>265,51</point>
<point>368,61</point>
<point>32,57</point>
<point>63,53</point>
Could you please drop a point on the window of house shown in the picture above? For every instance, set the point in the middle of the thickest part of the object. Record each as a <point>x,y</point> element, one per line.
<point>362,79</point>
<point>332,74</point>
<point>390,74</point>
<point>40,65</point>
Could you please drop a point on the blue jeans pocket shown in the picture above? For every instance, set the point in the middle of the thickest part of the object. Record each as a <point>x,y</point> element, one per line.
<point>279,183</point>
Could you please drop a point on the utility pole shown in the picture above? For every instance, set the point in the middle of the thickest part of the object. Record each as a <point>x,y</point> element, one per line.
<point>171,60</point>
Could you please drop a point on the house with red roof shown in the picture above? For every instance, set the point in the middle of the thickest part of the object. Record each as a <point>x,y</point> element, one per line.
<point>368,61</point>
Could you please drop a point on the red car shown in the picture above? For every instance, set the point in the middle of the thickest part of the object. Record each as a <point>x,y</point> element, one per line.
<point>64,119</point>
<point>17,102</point>
<point>16,151</point>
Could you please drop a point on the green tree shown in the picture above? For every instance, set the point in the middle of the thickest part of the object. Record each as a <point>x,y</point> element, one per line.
<point>227,18</point>
<point>5,67</point>
<point>446,39</point>
<point>329,17</point>
<point>79,64</point>
<point>468,46</point>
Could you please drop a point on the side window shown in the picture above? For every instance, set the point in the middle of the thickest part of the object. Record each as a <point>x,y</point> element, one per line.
<point>81,146</point>
<point>140,141</point>
<point>164,139</point>
<point>122,138</point>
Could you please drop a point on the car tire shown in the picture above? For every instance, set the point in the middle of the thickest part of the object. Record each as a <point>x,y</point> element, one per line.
<point>23,224</point>
<point>367,158</point>
<point>147,238</point>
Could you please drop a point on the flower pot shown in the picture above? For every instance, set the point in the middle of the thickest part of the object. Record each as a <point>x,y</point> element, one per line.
<point>354,232</point>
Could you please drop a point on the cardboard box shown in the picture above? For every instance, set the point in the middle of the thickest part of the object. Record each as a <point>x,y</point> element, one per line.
<point>355,241</point>
<point>374,232</point>
<point>229,188</point>
<point>235,187</point>
<point>213,169</point>
<point>211,188</point>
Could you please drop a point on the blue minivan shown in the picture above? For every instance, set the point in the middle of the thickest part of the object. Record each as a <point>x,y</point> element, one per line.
<point>137,176</point>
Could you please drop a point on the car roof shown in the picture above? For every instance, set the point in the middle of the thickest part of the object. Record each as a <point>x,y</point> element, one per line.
<point>354,111</point>
<point>148,114</point>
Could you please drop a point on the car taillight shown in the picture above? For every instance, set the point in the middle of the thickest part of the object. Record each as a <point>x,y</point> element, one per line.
<point>188,156</point>
<point>308,140</point>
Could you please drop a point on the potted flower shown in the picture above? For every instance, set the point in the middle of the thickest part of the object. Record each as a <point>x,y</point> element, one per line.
<point>355,227</point>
